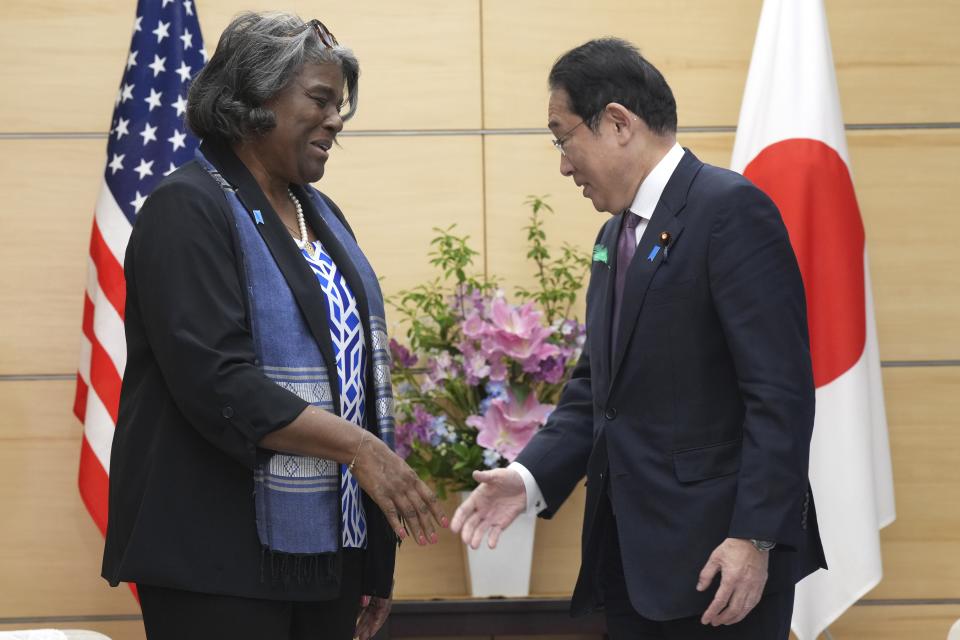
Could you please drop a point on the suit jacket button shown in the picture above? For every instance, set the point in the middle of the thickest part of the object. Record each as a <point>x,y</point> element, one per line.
<point>227,412</point>
<point>610,413</point>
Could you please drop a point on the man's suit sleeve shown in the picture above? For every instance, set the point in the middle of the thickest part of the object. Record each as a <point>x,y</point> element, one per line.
<point>557,455</point>
<point>759,298</point>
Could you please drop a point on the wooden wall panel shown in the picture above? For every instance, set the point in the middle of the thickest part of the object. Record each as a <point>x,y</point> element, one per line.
<point>921,549</point>
<point>393,190</point>
<point>419,60</point>
<point>50,550</point>
<point>556,552</point>
<point>435,571</point>
<point>903,180</point>
<point>908,198</point>
<point>522,40</point>
<point>895,62</point>
<point>65,59</point>
<point>49,189</point>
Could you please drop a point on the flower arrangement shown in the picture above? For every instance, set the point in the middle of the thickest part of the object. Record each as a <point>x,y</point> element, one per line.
<point>480,373</point>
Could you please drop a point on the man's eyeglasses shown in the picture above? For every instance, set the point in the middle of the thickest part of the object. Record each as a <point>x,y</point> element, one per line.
<point>562,140</point>
<point>326,37</point>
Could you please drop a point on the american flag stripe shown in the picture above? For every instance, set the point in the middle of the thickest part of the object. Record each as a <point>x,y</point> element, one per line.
<point>106,330</point>
<point>109,271</point>
<point>98,427</point>
<point>80,396</point>
<point>103,374</point>
<point>114,227</point>
<point>94,486</point>
<point>147,141</point>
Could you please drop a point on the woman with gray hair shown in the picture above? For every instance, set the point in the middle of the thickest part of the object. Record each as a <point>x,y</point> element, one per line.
<point>254,492</point>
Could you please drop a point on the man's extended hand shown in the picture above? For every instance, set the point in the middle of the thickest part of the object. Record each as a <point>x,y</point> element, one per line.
<point>499,499</point>
<point>743,573</point>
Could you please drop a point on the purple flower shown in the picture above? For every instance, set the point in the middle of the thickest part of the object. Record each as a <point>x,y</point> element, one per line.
<point>417,429</point>
<point>401,355</point>
<point>552,369</point>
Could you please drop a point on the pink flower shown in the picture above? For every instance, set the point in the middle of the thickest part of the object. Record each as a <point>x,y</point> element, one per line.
<point>518,332</point>
<point>441,367</point>
<point>476,367</point>
<point>474,327</point>
<point>507,425</point>
<point>498,369</point>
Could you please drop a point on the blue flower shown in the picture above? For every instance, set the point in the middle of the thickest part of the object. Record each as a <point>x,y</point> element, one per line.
<point>442,431</point>
<point>491,458</point>
<point>496,390</point>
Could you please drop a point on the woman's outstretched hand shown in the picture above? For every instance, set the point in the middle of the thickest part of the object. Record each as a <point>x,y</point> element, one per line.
<point>410,505</point>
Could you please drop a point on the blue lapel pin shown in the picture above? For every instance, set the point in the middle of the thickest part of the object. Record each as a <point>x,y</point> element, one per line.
<point>653,252</point>
<point>257,216</point>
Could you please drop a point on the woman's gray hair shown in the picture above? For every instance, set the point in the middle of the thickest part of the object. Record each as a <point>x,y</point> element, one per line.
<point>258,54</point>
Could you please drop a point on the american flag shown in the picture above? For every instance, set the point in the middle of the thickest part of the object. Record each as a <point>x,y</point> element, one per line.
<point>147,141</point>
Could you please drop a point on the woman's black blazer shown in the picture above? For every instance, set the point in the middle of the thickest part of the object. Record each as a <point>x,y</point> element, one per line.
<point>194,405</point>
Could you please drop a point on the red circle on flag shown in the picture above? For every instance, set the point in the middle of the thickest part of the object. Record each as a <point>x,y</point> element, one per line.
<point>811,185</point>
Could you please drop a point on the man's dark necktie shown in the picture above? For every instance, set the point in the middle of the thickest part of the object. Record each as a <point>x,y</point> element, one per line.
<point>626,247</point>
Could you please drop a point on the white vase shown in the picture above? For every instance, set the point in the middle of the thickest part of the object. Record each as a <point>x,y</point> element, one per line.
<point>505,570</point>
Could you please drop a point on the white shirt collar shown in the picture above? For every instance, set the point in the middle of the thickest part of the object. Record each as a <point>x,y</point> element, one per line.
<point>648,195</point>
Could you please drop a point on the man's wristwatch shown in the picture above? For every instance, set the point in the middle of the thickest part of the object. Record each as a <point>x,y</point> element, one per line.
<point>763,545</point>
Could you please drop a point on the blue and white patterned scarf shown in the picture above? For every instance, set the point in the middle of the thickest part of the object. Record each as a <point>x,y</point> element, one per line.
<point>298,506</point>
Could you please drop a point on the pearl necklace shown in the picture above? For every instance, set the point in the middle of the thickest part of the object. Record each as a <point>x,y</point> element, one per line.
<point>302,223</point>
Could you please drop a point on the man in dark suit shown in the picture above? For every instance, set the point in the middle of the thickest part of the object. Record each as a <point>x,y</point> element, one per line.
<point>691,409</point>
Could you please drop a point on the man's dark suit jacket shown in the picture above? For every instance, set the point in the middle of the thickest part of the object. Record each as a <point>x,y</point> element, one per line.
<point>696,419</point>
<point>194,404</point>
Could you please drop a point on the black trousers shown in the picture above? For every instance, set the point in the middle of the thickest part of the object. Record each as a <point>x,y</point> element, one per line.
<point>173,614</point>
<point>769,620</point>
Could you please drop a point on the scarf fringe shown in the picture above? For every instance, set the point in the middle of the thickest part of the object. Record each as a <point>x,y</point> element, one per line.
<point>298,567</point>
